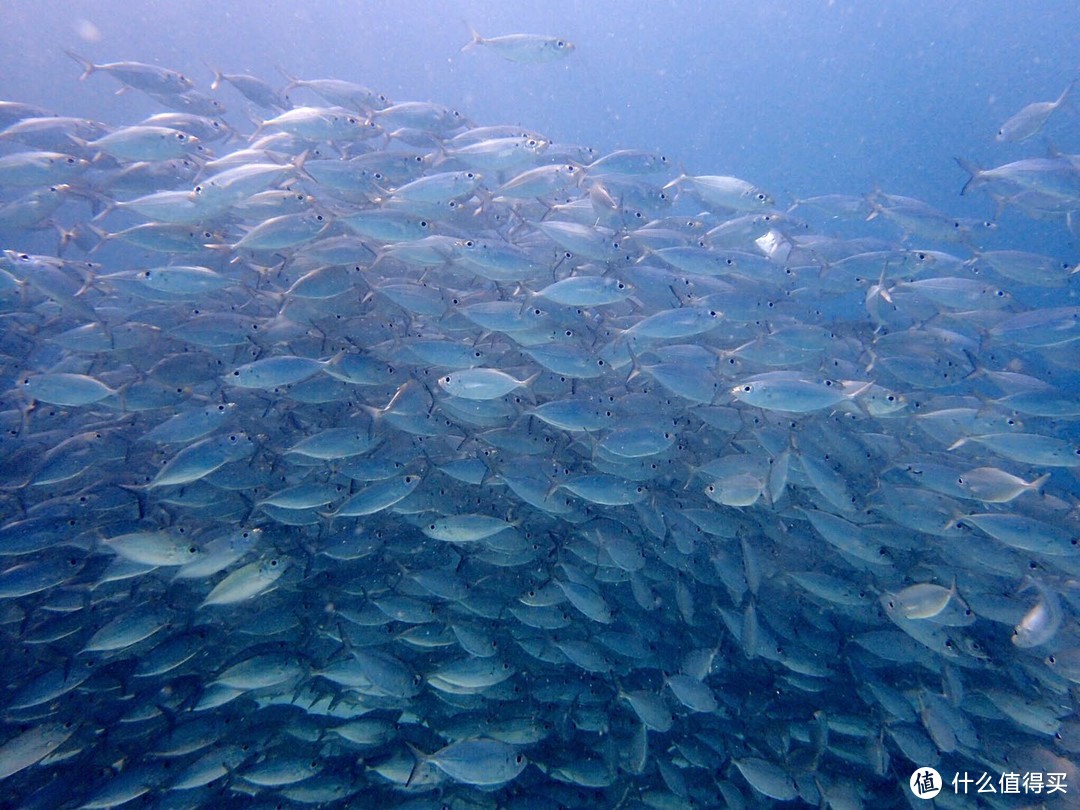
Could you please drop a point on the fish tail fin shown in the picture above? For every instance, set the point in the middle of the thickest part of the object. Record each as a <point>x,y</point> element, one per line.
<point>972,169</point>
<point>875,206</point>
<point>635,364</point>
<point>101,234</point>
<point>293,81</point>
<point>64,237</point>
<point>216,83</point>
<point>419,757</point>
<point>1038,483</point>
<point>674,184</point>
<point>555,486</point>
<point>87,66</point>
<point>82,143</point>
<point>476,38</point>
<point>1066,94</point>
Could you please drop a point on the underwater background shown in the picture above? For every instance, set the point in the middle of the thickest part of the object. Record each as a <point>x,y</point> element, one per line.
<point>778,504</point>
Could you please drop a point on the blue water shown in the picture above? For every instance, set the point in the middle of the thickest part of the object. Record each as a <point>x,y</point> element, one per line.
<point>801,98</point>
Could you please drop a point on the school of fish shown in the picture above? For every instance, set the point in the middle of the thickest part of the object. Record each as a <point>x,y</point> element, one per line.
<point>367,456</point>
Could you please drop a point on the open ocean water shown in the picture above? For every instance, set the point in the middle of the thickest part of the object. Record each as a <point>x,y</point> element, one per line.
<point>666,405</point>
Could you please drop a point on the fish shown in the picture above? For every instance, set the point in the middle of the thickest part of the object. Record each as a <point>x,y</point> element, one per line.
<point>482,383</point>
<point>383,456</point>
<point>1032,118</point>
<point>252,88</point>
<point>724,192</point>
<point>141,76</point>
<point>526,48</point>
<point>145,143</point>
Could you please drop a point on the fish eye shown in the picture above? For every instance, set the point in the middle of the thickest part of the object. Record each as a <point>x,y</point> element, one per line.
<point>447,378</point>
<point>1051,659</point>
<point>180,136</point>
<point>71,161</point>
<point>747,388</point>
<point>273,563</point>
<point>470,175</point>
<point>761,197</point>
<point>560,44</point>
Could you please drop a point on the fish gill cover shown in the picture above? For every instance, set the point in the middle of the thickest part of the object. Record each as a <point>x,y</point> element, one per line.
<point>358,453</point>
